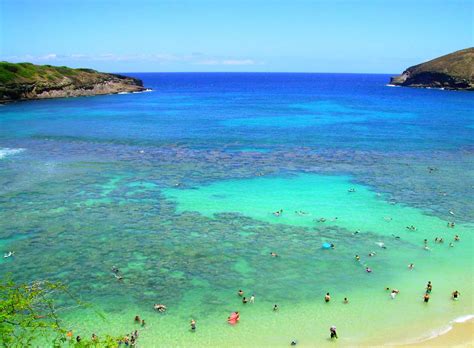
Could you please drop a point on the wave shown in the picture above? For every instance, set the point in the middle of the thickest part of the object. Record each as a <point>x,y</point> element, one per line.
<point>4,152</point>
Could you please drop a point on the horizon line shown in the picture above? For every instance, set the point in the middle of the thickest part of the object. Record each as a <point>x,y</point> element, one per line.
<point>248,72</point>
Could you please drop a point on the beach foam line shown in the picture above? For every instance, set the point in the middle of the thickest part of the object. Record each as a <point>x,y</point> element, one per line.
<point>441,331</point>
<point>4,152</point>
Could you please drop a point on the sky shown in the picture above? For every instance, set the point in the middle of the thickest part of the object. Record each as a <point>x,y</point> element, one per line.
<point>371,36</point>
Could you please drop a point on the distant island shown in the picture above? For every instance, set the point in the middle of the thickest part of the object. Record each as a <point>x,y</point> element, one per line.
<point>26,81</point>
<point>453,71</point>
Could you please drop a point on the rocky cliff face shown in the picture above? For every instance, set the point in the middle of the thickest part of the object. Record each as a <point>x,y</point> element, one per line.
<point>453,71</point>
<point>25,81</point>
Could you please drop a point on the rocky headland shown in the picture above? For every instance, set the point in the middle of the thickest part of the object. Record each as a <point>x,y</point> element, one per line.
<point>453,71</point>
<point>26,81</point>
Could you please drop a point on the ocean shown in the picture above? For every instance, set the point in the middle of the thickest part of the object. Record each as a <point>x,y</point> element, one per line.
<point>178,188</point>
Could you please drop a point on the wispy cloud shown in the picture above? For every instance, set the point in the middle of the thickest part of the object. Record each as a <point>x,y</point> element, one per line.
<point>195,58</point>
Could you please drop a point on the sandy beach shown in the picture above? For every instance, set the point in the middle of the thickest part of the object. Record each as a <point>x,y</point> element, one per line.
<point>461,335</point>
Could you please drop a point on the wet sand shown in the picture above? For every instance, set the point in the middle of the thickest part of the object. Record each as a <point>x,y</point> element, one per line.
<point>461,335</point>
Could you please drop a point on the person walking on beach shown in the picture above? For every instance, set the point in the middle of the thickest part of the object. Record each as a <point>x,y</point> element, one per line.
<point>333,332</point>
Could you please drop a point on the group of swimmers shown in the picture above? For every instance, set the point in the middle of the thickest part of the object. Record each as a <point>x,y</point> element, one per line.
<point>245,300</point>
<point>440,240</point>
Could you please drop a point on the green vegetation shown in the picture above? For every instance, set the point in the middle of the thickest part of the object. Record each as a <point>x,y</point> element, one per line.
<point>29,73</point>
<point>28,315</point>
<point>452,71</point>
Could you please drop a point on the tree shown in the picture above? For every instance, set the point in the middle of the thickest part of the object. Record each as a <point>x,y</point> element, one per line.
<point>28,315</point>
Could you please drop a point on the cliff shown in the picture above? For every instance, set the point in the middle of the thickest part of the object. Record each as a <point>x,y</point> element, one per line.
<point>452,71</point>
<point>25,81</point>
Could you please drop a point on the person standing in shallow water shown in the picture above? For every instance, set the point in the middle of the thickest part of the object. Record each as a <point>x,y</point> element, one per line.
<point>193,325</point>
<point>426,298</point>
<point>327,298</point>
<point>333,332</point>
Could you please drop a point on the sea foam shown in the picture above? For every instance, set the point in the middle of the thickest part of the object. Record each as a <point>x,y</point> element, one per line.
<point>4,152</point>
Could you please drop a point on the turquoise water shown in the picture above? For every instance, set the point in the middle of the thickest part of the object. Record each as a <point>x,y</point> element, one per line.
<point>177,188</point>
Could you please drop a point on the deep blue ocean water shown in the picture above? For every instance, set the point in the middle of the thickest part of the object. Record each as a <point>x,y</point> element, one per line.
<point>88,183</point>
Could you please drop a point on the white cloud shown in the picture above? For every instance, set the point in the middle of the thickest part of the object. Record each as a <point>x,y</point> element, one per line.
<point>195,58</point>
<point>238,62</point>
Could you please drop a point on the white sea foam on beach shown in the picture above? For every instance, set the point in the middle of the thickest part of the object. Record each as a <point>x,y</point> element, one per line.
<point>443,330</point>
<point>4,152</point>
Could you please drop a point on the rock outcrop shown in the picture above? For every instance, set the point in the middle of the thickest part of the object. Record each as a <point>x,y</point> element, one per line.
<point>26,81</point>
<point>453,71</point>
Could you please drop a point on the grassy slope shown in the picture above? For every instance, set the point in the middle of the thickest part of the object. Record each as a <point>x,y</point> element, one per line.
<point>458,64</point>
<point>27,73</point>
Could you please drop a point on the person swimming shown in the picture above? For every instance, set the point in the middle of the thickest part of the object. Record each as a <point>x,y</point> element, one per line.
<point>456,238</point>
<point>455,295</point>
<point>273,254</point>
<point>372,253</point>
<point>394,293</point>
<point>278,212</point>
<point>240,293</point>
<point>351,190</point>
<point>357,258</point>
<point>346,301</point>
<point>137,319</point>
<point>327,298</point>
<point>244,300</point>
<point>275,308</point>
<point>411,266</point>
<point>159,307</point>
<point>368,270</point>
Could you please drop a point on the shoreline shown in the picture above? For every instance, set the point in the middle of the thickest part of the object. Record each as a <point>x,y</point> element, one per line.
<point>459,333</point>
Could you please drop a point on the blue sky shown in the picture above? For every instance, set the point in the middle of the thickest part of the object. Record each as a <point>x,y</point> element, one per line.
<point>305,36</point>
